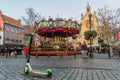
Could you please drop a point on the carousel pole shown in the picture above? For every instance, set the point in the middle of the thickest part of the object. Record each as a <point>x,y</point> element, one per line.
<point>53,39</point>
<point>45,44</point>
<point>66,42</point>
<point>67,25</point>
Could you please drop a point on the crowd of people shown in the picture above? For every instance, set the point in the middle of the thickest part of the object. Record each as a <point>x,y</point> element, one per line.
<point>84,49</point>
<point>11,51</point>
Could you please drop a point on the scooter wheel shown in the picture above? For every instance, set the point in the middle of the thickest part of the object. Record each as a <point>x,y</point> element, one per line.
<point>48,72</point>
<point>26,72</point>
<point>49,75</point>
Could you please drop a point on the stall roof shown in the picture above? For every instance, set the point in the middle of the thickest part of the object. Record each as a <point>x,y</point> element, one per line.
<point>94,45</point>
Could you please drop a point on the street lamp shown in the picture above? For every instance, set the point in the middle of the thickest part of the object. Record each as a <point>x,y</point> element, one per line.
<point>90,50</point>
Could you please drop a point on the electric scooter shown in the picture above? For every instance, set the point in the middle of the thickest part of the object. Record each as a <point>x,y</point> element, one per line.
<point>28,70</point>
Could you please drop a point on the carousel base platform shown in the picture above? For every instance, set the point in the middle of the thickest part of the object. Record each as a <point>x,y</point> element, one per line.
<point>54,53</point>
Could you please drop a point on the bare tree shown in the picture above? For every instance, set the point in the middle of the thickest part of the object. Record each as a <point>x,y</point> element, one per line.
<point>30,20</point>
<point>104,16</point>
<point>110,21</point>
<point>115,23</point>
<point>31,17</point>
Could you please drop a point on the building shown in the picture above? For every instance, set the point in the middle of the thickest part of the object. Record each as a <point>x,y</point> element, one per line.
<point>36,38</point>
<point>11,32</point>
<point>85,25</point>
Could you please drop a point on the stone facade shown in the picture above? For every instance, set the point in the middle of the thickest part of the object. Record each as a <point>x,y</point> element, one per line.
<point>85,25</point>
<point>11,32</point>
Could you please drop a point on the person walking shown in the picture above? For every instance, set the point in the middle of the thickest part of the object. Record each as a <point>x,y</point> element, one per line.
<point>15,52</point>
<point>98,49</point>
<point>6,52</point>
<point>84,49</point>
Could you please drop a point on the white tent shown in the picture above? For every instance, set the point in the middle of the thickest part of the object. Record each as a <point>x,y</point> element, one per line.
<point>117,44</point>
<point>94,45</point>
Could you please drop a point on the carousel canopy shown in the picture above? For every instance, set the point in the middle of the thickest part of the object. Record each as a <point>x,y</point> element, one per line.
<point>58,27</point>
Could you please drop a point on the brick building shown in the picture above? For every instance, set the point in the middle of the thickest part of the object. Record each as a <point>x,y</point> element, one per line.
<point>11,32</point>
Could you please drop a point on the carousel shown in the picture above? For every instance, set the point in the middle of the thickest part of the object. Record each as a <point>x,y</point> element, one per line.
<point>56,33</point>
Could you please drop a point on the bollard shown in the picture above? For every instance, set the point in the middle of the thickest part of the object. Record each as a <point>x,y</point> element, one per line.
<point>119,53</point>
<point>48,55</point>
<point>61,55</point>
<point>109,54</point>
<point>75,55</point>
<point>36,55</point>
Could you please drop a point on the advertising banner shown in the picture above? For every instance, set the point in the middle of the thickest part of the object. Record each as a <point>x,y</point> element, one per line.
<point>118,36</point>
<point>1,37</point>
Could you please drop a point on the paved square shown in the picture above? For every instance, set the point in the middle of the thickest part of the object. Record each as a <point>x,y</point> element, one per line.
<point>66,68</point>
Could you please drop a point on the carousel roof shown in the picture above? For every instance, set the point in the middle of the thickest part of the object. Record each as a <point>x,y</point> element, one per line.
<point>58,27</point>
<point>59,31</point>
<point>50,19</point>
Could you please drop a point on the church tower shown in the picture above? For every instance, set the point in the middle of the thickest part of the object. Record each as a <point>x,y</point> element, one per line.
<point>85,24</point>
<point>88,8</point>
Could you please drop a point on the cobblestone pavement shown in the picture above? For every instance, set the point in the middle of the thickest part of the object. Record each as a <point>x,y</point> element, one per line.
<point>66,68</point>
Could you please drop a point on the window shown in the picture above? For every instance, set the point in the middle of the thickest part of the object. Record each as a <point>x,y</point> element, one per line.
<point>88,25</point>
<point>7,27</point>
<point>12,29</point>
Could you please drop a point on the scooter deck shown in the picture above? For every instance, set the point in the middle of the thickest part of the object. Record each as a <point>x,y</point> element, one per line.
<point>38,72</point>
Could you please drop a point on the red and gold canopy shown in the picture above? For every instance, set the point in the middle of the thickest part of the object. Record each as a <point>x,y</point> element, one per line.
<point>59,27</point>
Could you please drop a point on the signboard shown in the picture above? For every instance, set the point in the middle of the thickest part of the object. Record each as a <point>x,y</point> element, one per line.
<point>1,24</point>
<point>1,37</point>
<point>1,30</point>
<point>118,36</point>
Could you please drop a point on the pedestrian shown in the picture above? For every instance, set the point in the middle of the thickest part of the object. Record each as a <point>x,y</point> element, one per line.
<point>79,47</point>
<point>15,52</point>
<point>88,50</point>
<point>113,52</point>
<point>84,49</point>
<point>98,49</point>
<point>9,51</point>
<point>6,52</point>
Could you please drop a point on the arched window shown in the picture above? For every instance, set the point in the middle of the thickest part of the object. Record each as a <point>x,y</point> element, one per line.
<point>88,26</point>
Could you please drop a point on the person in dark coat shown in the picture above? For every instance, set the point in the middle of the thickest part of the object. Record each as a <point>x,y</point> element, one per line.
<point>6,52</point>
<point>15,52</point>
<point>9,51</point>
<point>84,49</point>
<point>98,49</point>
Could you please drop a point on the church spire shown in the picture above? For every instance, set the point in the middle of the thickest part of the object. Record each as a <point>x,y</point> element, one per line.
<point>88,7</point>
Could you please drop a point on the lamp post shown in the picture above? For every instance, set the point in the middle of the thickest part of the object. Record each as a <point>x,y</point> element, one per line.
<point>90,50</point>
<point>108,46</point>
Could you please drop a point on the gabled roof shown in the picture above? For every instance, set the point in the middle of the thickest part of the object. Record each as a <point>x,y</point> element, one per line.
<point>11,20</point>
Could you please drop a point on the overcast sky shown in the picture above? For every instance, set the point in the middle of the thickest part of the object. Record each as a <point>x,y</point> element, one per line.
<point>63,8</point>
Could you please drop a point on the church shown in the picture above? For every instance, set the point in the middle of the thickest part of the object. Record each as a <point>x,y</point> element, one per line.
<point>85,26</point>
<point>11,32</point>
